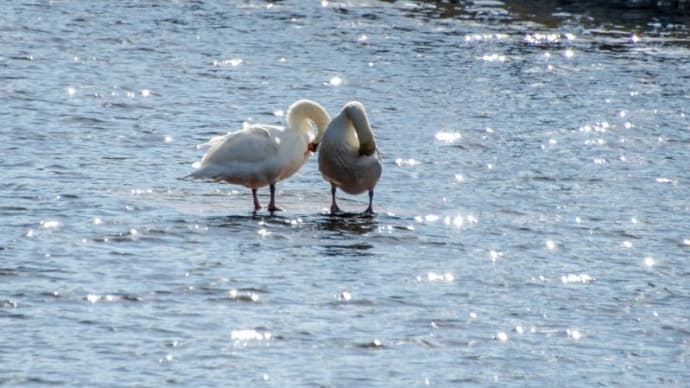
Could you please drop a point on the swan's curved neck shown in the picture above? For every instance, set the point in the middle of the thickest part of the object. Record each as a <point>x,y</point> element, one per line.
<point>358,116</point>
<point>302,111</point>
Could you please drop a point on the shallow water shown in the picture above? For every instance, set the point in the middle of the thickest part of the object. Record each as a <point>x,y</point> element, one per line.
<point>533,216</point>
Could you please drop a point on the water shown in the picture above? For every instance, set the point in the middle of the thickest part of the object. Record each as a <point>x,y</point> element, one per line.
<point>533,217</point>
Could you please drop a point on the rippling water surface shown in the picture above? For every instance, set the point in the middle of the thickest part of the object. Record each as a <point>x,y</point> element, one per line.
<point>533,222</point>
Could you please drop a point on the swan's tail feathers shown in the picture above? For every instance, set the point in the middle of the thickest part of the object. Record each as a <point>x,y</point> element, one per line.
<point>206,172</point>
<point>213,141</point>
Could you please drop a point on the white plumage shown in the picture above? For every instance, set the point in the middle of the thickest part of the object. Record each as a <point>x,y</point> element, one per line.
<point>348,157</point>
<point>261,155</point>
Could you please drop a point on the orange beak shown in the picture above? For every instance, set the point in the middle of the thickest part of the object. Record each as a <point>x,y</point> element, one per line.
<point>311,147</point>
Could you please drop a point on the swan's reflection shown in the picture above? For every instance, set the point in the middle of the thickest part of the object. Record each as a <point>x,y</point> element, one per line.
<point>342,228</point>
<point>234,220</point>
<point>355,249</point>
<point>348,223</point>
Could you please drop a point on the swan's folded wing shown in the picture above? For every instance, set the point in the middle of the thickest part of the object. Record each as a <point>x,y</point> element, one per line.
<point>250,145</point>
<point>214,140</point>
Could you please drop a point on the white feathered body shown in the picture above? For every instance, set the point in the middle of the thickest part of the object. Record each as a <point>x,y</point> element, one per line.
<point>259,155</point>
<point>341,161</point>
<point>255,156</point>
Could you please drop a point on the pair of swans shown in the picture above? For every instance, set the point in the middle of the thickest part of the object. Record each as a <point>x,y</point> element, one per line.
<point>261,155</point>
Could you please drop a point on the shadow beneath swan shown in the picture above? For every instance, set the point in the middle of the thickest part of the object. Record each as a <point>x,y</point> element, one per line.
<point>357,223</point>
<point>236,220</point>
<point>345,233</point>
<point>329,228</point>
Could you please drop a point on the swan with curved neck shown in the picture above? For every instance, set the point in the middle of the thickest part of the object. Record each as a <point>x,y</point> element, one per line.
<point>261,155</point>
<point>348,157</point>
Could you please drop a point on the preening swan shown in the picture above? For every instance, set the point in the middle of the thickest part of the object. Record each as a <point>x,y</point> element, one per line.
<point>260,155</point>
<point>348,157</point>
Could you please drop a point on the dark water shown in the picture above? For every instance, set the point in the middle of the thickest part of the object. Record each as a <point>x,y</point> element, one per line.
<point>533,221</point>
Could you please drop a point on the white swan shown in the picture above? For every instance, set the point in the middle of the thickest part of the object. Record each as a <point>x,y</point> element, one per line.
<point>260,155</point>
<point>348,157</point>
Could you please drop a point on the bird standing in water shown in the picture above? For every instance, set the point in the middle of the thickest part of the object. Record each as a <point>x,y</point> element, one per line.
<point>348,157</point>
<point>261,155</point>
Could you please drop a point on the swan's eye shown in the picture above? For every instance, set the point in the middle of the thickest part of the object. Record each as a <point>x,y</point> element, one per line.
<point>312,147</point>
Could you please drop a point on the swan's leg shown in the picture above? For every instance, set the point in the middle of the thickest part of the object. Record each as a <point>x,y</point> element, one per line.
<point>257,205</point>
<point>370,210</point>
<point>334,207</point>
<point>272,204</point>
